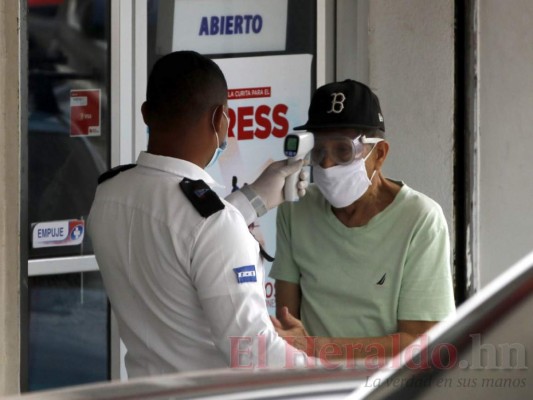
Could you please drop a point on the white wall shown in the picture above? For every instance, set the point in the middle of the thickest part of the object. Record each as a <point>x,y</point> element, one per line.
<point>411,64</point>
<point>505,115</point>
<point>9,198</point>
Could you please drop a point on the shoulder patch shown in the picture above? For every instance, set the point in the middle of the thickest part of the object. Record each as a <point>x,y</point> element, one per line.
<point>245,274</point>
<point>114,172</point>
<point>201,196</point>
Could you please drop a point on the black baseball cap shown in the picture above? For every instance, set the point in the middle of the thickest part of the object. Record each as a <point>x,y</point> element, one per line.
<point>346,104</point>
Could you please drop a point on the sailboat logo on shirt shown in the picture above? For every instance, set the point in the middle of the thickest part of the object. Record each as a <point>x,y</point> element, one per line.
<point>382,280</point>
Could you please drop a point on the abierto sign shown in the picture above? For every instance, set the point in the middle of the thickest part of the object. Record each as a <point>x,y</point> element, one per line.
<point>222,27</point>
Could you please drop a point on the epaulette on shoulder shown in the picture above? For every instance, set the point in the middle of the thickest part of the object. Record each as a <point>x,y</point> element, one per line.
<point>114,172</point>
<point>201,196</point>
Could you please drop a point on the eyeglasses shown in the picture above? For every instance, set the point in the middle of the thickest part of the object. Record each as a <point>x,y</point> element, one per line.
<point>340,149</point>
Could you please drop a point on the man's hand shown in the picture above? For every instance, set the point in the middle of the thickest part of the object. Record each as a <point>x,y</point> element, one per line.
<point>269,185</point>
<point>293,331</point>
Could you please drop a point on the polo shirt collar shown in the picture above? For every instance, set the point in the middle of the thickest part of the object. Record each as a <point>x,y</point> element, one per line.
<point>177,167</point>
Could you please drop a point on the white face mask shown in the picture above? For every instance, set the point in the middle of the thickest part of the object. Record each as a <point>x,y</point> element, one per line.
<point>342,185</point>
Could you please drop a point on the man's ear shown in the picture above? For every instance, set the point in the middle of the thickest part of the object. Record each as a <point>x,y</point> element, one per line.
<point>218,118</point>
<point>145,113</point>
<point>381,150</point>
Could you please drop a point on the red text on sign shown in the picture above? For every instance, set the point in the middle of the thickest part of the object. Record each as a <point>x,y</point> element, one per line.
<point>259,122</point>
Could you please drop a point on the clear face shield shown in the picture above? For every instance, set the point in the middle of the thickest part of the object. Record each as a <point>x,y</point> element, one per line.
<point>340,149</point>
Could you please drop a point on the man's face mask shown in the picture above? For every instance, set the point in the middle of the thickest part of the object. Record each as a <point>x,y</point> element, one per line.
<point>347,181</point>
<point>220,147</point>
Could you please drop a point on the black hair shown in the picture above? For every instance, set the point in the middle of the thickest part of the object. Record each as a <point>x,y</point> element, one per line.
<point>184,83</point>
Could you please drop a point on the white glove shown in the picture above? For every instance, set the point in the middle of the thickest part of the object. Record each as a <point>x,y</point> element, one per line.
<point>267,191</point>
<point>269,185</point>
<point>303,182</point>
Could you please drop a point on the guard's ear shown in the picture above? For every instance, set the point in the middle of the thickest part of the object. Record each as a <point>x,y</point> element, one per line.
<point>218,118</point>
<point>145,113</point>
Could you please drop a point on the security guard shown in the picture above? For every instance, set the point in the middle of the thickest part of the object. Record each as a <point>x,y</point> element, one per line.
<point>181,269</point>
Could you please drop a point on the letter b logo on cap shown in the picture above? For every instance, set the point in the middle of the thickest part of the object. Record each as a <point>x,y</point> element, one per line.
<point>337,104</point>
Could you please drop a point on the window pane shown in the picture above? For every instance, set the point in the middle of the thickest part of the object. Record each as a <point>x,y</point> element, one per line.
<point>68,148</point>
<point>68,330</point>
<point>68,127</point>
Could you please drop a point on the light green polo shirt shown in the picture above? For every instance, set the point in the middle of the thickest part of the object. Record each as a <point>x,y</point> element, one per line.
<point>358,282</point>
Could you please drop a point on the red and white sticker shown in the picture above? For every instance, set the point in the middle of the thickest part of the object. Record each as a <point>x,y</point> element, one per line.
<point>85,110</point>
<point>68,232</point>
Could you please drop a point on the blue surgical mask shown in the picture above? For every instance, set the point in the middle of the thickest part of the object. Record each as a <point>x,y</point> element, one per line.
<point>218,152</point>
<point>220,147</point>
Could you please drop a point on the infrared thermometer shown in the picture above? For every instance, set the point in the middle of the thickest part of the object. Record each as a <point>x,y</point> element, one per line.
<point>297,145</point>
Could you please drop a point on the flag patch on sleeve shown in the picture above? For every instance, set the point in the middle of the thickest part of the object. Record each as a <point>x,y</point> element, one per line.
<point>246,274</point>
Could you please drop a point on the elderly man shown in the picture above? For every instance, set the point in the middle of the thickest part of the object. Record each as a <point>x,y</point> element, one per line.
<point>363,260</point>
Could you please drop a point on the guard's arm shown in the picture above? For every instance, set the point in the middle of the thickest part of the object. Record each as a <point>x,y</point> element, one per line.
<point>266,192</point>
<point>226,271</point>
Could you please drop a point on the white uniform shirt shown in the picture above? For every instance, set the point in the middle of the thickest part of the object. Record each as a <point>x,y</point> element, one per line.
<point>187,291</point>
